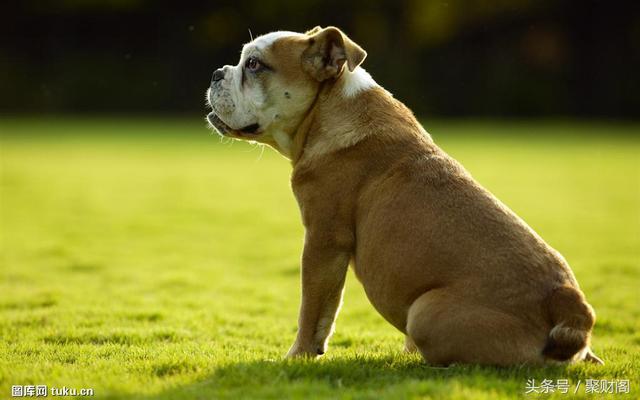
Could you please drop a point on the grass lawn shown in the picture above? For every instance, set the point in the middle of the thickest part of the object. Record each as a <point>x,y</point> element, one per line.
<point>148,259</point>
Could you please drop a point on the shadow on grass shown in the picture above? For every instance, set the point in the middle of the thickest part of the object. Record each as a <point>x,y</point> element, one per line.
<point>360,377</point>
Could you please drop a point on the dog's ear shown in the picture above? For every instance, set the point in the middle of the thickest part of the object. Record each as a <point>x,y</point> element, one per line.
<point>313,31</point>
<point>327,52</point>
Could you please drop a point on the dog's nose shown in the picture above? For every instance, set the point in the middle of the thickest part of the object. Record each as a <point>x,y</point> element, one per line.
<point>217,75</point>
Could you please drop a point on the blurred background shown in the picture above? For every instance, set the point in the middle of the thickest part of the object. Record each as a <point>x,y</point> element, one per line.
<point>494,58</point>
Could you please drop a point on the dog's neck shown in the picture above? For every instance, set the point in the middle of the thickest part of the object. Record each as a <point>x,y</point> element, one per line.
<point>332,116</point>
<point>300,135</point>
<point>339,118</point>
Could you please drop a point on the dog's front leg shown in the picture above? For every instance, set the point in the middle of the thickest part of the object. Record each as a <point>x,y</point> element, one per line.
<point>323,274</point>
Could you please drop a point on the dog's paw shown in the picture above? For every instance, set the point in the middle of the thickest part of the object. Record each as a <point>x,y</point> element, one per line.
<point>301,352</point>
<point>409,345</point>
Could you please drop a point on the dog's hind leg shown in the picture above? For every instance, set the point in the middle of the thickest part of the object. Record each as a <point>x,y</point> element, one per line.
<point>449,329</point>
<point>592,358</point>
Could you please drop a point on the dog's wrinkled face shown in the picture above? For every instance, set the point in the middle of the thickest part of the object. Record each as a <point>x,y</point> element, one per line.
<point>267,94</point>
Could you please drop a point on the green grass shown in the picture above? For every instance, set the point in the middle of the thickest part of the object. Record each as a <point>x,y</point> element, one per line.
<point>147,259</point>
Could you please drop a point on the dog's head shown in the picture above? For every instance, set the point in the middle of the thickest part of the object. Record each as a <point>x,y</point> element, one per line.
<point>266,95</point>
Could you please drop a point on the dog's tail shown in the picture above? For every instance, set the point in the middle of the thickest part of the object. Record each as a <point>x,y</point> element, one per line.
<point>572,318</point>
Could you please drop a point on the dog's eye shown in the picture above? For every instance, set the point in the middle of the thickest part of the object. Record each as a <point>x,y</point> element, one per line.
<point>253,64</point>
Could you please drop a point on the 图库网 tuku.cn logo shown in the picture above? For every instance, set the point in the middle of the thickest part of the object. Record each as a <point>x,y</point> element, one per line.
<point>44,391</point>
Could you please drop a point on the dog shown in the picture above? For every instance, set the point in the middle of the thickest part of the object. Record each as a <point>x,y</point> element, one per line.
<point>440,258</point>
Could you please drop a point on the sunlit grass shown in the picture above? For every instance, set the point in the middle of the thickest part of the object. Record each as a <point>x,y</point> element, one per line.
<point>146,258</point>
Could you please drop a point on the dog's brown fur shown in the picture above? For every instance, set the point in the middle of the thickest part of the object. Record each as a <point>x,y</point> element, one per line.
<point>439,256</point>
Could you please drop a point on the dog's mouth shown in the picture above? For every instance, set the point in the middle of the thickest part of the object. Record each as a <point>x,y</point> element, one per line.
<point>224,129</point>
<point>251,129</point>
<point>218,124</point>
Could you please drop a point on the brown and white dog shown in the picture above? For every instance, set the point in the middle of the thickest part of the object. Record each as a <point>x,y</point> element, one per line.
<point>440,258</point>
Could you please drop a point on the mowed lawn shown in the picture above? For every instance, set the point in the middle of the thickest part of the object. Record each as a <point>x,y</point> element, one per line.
<point>149,259</point>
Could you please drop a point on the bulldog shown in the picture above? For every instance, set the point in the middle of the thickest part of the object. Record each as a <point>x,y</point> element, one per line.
<point>440,258</point>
